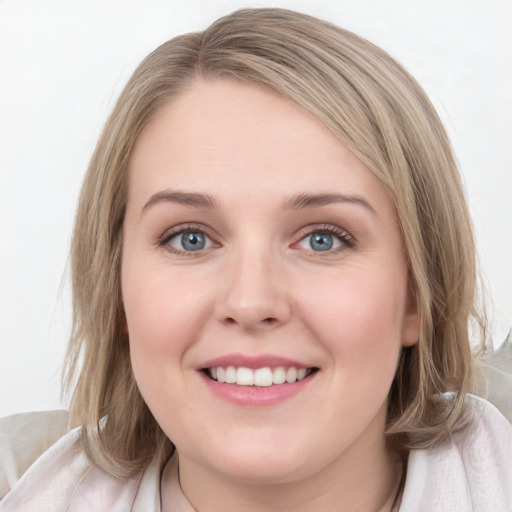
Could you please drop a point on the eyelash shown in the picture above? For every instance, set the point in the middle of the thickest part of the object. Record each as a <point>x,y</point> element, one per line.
<point>347,241</point>
<point>164,241</point>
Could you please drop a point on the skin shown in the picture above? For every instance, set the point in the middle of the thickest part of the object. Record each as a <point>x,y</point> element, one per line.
<point>258,287</point>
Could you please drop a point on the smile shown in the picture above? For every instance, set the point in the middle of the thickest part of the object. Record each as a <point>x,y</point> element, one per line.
<point>260,377</point>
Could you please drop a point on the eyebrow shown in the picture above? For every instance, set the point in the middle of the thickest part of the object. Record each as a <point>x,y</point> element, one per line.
<point>296,202</point>
<point>306,200</point>
<point>194,199</point>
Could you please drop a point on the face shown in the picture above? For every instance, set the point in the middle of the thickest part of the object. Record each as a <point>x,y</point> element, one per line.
<point>264,286</point>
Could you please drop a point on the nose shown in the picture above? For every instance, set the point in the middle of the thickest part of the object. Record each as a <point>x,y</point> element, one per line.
<point>254,294</point>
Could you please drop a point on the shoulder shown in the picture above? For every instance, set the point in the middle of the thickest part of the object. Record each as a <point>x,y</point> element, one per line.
<point>52,471</point>
<point>471,472</point>
<point>496,367</point>
<point>23,438</point>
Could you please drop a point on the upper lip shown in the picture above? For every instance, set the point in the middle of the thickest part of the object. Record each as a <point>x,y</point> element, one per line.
<point>253,362</point>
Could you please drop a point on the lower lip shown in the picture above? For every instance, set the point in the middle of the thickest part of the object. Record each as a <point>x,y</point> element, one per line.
<point>256,396</point>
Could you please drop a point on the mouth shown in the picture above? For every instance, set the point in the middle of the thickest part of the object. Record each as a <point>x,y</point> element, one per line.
<point>259,377</point>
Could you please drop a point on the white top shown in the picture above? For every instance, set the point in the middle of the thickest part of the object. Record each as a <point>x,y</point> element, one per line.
<point>472,472</point>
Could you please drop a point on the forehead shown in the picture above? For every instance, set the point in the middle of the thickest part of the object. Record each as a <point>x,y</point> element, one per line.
<point>240,137</point>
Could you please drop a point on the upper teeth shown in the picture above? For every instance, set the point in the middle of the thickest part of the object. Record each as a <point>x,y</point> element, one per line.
<point>261,377</point>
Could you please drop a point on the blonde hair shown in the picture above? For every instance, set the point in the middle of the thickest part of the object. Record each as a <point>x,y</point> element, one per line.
<point>378,111</point>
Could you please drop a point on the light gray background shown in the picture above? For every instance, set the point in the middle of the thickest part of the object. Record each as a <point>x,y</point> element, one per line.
<point>63,63</point>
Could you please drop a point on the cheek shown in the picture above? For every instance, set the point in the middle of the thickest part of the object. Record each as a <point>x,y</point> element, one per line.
<point>161,322</point>
<point>160,310</point>
<point>163,319</point>
<point>359,317</point>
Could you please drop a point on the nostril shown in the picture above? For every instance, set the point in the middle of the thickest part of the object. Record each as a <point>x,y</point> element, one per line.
<point>268,321</point>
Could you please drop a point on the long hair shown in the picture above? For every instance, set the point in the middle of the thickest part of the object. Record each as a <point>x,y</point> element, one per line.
<point>373,107</point>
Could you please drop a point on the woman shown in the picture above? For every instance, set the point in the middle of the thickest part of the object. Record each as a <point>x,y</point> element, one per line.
<point>273,275</point>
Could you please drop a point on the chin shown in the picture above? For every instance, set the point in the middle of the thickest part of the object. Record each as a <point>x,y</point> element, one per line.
<point>261,462</point>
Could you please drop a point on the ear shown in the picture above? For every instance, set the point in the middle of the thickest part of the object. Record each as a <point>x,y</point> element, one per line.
<point>411,324</point>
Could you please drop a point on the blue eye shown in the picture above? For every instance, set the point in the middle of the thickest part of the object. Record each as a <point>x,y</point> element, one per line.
<point>187,241</point>
<point>326,239</point>
<point>193,241</point>
<point>321,241</point>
